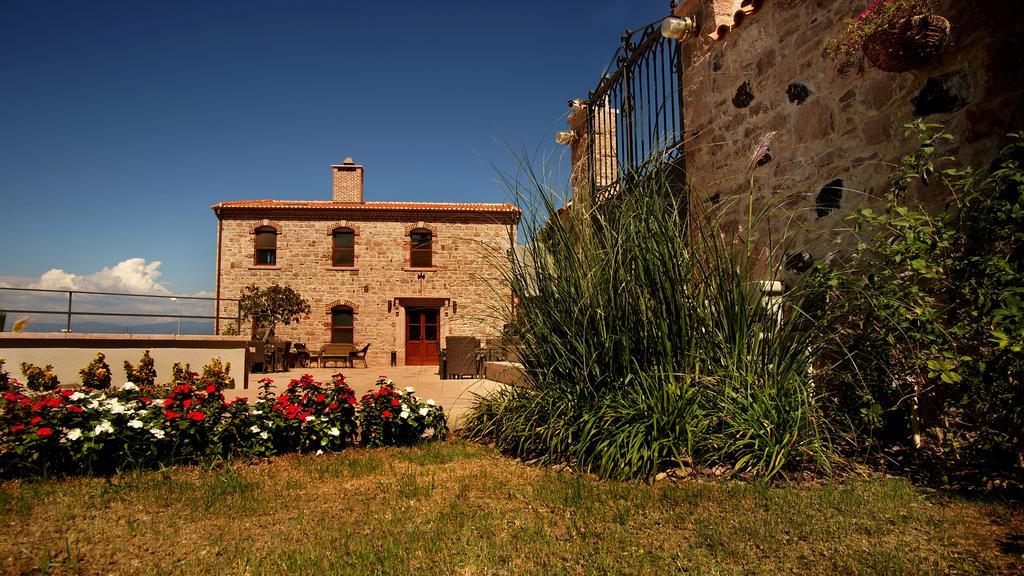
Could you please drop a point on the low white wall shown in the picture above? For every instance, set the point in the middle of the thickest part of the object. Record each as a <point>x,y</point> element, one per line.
<point>69,353</point>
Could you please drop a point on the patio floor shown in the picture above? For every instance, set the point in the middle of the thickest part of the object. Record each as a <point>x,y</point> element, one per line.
<point>455,395</point>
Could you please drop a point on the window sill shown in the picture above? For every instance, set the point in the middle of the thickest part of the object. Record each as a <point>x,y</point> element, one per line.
<point>414,269</point>
<point>264,267</point>
<point>342,269</point>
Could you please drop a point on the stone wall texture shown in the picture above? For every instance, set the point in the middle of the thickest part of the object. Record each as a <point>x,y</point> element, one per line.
<point>465,280</point>
<point>832,138</point>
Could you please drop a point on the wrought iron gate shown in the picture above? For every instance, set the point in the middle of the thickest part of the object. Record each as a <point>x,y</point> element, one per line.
<point>635,114</point>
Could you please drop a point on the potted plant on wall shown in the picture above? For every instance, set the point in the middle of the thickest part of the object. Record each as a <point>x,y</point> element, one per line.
<point>891,35</point>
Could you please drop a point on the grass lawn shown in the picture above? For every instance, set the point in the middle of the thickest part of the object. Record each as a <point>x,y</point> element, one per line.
<point>458,508</point>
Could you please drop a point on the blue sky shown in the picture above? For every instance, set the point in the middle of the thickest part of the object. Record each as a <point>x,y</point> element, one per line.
<point>124,121</point>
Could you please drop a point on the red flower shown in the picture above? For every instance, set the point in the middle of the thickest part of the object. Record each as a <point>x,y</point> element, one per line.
<point>73,408</point>
<point>67,392</point>
<point>187,403</point>
<point>145,400</point>
<point>168,402</point>
<point>17,427</point>
<point>197,416</point>
<point>211,388</point>
<point>395,402</point>
<point>44,432</point>
<point>320,397</point>
<point>35,420</point>
<point>352,400</point>
<point>332,406</point>
<point>386,414</point>
<point>171,415</point>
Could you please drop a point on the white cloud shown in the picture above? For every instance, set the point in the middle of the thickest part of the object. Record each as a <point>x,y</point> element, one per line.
<point>133,275</point>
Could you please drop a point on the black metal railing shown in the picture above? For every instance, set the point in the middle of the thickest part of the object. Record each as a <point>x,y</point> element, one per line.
<point>635,114</point>
<point>114,303</point>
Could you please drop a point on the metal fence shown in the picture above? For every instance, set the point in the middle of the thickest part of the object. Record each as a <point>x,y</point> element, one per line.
<point>635,114</point>
<point>26,300</point>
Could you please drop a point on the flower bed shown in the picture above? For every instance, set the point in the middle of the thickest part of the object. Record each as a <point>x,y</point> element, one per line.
<point>91,431</point>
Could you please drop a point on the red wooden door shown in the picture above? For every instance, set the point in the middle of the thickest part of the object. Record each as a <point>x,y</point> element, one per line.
<point>421,336</point>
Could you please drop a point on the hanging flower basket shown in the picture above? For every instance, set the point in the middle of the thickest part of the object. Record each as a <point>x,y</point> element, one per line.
<point>907,44</point>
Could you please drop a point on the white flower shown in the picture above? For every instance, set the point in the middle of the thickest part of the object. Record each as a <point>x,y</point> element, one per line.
<point>388,382</point>
<point>76,396</point>
<point>255,429</point>
<point>334,431</point>
<point>135,423</point>
<point>404,414</point>
<point>74,434</point>
<point>115,406</point>
<point>92,405</point>
<point>256,412</point>
<point>264,435</point>
<point>129,386</point>
<point>430,402</point>
<point>157,432</point>
<point>309,418</point>
<point>409,390</point>
<point>102,427</point>
<point>424,410</point>
<point>319,452</point>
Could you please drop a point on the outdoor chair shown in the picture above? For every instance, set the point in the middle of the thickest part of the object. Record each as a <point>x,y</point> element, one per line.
<point>358,355</point>
<point>255,355</point>
<point>300,355</point>
<point>460,355</point>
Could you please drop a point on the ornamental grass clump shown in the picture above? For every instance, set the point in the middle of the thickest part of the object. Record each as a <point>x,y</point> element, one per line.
<point>649,344</point>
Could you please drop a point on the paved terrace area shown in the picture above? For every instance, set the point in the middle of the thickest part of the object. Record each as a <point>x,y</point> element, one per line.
<point>456,396</point>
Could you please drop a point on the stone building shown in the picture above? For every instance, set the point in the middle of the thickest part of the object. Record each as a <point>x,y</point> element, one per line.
<point>399,276</point>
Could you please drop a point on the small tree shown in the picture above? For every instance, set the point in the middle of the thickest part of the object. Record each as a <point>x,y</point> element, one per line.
<point>144,374</point>
<point>270,305</point>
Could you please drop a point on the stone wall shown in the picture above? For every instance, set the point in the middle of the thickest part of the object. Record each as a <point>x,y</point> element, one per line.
<point>465,280</point>
<point>833,138</point>
<point>762,79</point>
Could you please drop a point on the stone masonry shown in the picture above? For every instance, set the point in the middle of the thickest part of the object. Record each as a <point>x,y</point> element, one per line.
<point>755,78</point>
<point>471,243</point>
<point>832,139</point>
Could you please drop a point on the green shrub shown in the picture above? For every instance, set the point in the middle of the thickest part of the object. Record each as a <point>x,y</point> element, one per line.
<point>96,374</point>
<point>930,312</point>
<point>37,378</point>
<point>144,374</point>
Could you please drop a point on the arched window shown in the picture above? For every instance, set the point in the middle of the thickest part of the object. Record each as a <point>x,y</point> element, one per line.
<point>266,246</point>
<point>344,253</point>
<point>341,325</point>
<point>421,253</point>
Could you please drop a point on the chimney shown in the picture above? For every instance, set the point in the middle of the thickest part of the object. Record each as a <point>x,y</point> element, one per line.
<point>348,181</point>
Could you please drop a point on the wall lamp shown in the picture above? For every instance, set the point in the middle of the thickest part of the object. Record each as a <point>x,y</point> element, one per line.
<point>566,137</point>
<point>679,28</point>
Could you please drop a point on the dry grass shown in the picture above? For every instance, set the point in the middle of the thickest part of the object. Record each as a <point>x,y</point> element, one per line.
<point>462,509</point>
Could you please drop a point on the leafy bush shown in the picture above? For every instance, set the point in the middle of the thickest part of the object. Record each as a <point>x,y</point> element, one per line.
<point>648,343</point>
<point>930,313</point>
<point>37,378</point>
<point>144,374</point>
<point>388,417</point>
<point>96,374</point>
